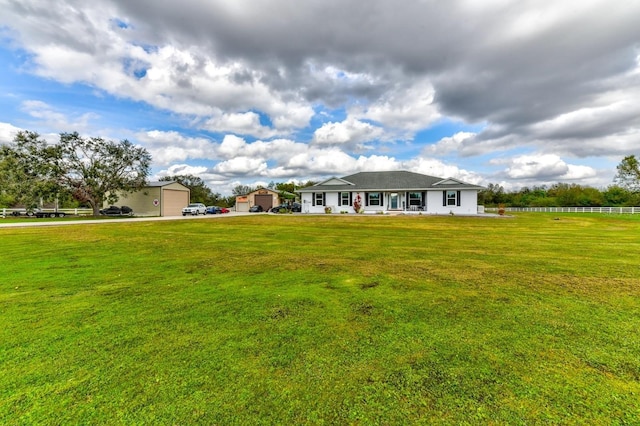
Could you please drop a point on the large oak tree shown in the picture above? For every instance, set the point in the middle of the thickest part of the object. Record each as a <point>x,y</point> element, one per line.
<point>92,169</point>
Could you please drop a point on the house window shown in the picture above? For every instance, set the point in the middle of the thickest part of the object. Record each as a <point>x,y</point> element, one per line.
<point>374,199</point>
<point>318,198</point>
<point>344,199</point>
<point>452,198</point>
<point>415,199</point>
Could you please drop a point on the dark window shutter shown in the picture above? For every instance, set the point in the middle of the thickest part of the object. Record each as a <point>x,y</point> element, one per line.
<point>351,198</point>
<point>458,199</point>
<point>313,198</point>
<point>381,199</point>
<point>339,198</point>
<point>366,198</point>
<point>424,198</point>
<point>406,199</point>
<point>444,198</point>
<point>324,198</point>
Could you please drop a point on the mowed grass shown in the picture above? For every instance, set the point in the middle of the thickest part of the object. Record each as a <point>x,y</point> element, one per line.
<point>288,319</point>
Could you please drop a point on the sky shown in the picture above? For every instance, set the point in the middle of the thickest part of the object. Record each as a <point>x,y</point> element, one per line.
<point>518,93</point>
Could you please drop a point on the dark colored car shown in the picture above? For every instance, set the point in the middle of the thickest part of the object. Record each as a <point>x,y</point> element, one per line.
<point>284,208</point>
<point>256,209</point>
<point>117,211</point>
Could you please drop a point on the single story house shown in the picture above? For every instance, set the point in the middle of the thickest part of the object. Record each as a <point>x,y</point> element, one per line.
<point>395,191</point>
<point>157,199</point>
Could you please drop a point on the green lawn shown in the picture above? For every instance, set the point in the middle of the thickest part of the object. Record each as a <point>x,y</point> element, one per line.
<point>289,319</point>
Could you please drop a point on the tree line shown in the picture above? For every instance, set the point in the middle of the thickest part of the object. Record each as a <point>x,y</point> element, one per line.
<point>624,192</point>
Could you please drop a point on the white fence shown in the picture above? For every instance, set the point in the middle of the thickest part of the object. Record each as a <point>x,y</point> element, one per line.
<point>613,210</point>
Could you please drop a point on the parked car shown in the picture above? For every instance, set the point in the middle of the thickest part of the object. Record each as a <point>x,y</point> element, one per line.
<point>217,210</point>
<point>255,209</point>
<point>194,209</point>
<point>282,208</point>
<point>117,211</point>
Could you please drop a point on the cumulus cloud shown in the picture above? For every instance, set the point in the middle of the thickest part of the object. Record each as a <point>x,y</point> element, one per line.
<point>171,147</point>
<point>350,133</point>
<point>449,144</point>
<point>545,167</point>
<point>8,132</point>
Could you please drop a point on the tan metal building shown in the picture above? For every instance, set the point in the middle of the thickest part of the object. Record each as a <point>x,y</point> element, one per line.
<point>264,197</point>
<point>158,199</point>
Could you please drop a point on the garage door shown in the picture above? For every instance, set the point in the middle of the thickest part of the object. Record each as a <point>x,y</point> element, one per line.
<point>266,201</point>
<point>173,202</point>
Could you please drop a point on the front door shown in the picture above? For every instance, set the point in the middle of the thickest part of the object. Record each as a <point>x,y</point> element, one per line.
<point>394,201</point>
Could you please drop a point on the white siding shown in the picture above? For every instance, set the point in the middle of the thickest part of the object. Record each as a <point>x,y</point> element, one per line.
<point>468,203</point>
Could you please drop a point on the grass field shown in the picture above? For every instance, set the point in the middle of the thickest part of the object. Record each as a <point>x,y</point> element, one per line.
<point>288,319</point>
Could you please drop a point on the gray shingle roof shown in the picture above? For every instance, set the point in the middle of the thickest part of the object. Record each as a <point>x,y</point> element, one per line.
<point>386,181</point>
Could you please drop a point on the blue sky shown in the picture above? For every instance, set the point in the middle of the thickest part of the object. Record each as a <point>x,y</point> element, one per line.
<point>499,91</point>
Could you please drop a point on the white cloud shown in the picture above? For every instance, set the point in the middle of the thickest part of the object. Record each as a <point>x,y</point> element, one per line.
<point>405,109</point>
<point>170,147</point>
<point>55,120</point>
<point>182,169</point>
<point>241,166</point>
<point>8,132</point>
<point>350,132</point>
<point>448,144</point>
<point>545,167</point>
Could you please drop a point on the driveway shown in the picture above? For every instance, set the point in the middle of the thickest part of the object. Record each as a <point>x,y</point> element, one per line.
<point>45,222</point>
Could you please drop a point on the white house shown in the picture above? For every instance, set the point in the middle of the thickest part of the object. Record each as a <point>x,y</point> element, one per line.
<point>396,191</point>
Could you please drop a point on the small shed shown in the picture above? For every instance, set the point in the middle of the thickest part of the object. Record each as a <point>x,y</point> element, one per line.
<point>264,197</point>
<point>157,199</point>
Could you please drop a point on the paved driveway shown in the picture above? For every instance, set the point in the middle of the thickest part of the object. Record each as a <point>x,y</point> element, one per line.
<point>45,222</point>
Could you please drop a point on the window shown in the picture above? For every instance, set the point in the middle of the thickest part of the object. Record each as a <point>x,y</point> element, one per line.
<point>452,198</point>
<point>415,199</point>
<point>374,199</point>
<point>345,199</point>
<point>318,199</point>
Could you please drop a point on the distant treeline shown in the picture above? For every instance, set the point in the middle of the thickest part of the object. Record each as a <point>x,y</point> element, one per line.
<point>559,195</point>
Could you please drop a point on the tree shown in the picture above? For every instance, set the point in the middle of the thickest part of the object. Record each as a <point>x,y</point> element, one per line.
<point>629,174</point>
<point>93,170</point>
<point>492,195</point>
<point>24,179</point>
<point>242,190</point>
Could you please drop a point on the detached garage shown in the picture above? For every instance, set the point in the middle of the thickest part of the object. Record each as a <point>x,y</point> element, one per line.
<point>264,197</point>
<point>158,199</point>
